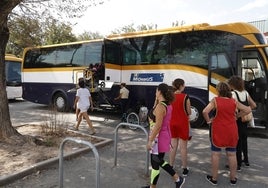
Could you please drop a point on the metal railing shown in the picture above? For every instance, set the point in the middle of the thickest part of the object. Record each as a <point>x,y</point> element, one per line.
<point>96,154</point>
<point>116,140</point>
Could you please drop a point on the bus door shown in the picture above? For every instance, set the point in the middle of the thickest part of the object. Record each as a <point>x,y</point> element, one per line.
<point>113,61</point>
<point>219,69</point>
<point>254,72</point>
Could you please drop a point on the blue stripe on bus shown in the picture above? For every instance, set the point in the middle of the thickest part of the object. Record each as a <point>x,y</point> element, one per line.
<point>139,94</point>
<point>42,92</point>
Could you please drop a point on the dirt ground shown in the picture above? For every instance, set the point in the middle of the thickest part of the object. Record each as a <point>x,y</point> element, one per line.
<point>15,156</point>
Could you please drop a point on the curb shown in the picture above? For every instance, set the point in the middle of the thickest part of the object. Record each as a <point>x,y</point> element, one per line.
<point>4,180</point>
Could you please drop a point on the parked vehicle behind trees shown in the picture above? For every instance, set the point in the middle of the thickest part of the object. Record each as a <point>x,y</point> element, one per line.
<point>13,76</point>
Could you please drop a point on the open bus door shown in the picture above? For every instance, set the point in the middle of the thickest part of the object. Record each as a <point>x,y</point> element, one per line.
<point>220,68</point>
<point>253,69</point>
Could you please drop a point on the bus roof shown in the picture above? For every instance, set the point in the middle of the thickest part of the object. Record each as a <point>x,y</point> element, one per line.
<point>238,28</point>
<point>11,57</point>
<point>256,46</point>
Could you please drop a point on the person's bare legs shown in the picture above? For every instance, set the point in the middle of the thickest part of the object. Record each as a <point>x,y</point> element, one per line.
<point>183,152</point>
<point>175,177</point>
<point>77,113</point>
<point>215,158</point>
<point>85,115</point>
<point>232,164</point>
<point>173,151</point>
<point>80,115</point>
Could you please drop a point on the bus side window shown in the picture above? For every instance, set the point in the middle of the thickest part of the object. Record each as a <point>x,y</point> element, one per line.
<point>129,57</point>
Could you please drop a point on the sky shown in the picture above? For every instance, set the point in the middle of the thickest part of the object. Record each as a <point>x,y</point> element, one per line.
<point>115,14</point>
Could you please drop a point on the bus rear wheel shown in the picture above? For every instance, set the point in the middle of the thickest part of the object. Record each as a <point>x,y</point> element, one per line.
<point>196,117</point>
<point>60,102</point>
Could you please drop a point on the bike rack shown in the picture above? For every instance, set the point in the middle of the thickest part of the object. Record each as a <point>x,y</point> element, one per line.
<point>116,138</point>
<point>96,154</point>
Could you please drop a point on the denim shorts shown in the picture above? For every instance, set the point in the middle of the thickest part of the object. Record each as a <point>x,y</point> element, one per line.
<point>214,148</point>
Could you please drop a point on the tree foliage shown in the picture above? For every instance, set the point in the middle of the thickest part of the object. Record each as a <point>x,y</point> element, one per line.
<point>24,32</point>
<point>87,35</point>
<point>131,28</point>
<point>57,32</point>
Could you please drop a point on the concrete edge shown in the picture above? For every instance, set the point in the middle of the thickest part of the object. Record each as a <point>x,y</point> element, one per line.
<point>4,180</point>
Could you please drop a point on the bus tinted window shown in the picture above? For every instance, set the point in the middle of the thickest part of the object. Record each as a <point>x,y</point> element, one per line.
<point>112,52</point>
<point>145,50</point>
<point>61,56</point>
<point>129,56</point>
<point>191,48</point>
<point>93,53</point>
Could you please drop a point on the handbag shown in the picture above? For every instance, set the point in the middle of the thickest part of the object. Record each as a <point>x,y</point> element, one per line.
<point>247,118</point>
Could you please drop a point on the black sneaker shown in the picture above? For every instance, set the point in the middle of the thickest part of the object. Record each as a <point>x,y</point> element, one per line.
<point>233,182</point>
<point>210,180</point>
<point>180,183</point>
<point>246,163</point>
<point>239,168</point>
<point>185,172</point>
<point>147,186</point>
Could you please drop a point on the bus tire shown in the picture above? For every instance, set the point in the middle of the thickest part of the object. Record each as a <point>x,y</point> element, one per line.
<point>196,117</point>
<point>60,102</point>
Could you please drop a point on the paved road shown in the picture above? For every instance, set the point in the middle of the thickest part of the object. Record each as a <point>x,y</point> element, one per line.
<point>130,169</point>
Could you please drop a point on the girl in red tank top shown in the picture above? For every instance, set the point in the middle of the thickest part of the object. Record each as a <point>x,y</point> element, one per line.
<point>180,125</point>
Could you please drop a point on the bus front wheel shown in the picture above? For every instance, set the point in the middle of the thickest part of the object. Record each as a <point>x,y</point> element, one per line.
<point>196,117</point>
<point>60,102</point>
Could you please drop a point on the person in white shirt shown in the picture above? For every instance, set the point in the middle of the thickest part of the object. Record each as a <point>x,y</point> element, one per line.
<point>123,96</point>
<point>82,102</point>
<point>240,94</point>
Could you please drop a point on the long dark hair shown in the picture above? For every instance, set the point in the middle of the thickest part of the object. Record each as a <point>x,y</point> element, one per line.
<point>167,92</point>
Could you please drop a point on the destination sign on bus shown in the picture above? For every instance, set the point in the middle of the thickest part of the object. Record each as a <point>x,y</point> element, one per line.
<point>147,77</point>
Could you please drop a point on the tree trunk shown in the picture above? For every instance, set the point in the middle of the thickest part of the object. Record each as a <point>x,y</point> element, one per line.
<point>6,128</point>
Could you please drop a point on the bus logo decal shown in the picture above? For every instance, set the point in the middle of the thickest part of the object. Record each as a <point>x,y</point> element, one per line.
<point>147,77</point>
